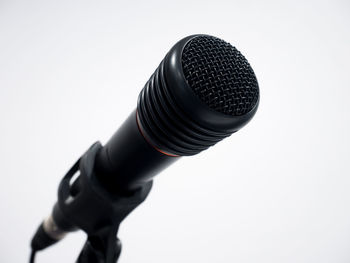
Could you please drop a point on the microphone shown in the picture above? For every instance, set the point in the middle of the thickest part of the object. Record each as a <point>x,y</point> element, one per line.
<point>203,91</point>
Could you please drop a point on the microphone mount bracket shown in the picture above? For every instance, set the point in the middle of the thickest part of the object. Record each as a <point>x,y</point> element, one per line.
<point>85,204</point>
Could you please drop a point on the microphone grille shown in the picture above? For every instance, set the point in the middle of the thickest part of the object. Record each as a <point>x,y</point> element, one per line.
<point>220,75</point>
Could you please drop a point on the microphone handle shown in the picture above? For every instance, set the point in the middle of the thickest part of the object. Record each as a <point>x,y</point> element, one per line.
<point>128,160</point>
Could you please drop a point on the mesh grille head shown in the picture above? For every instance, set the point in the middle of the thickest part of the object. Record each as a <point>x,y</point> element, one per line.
<point>220,75</point>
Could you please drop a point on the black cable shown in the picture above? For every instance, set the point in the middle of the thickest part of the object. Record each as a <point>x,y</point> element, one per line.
<point>32,256</point>
<point>40,241</point>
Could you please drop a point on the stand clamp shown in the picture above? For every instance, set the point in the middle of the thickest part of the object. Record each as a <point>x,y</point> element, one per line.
<point>85,204</point>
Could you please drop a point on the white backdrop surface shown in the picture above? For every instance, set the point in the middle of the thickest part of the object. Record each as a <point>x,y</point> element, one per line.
<point>276,191</point>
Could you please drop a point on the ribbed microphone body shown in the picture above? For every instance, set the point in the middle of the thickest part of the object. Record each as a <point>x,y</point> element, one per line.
<point>202,92</point>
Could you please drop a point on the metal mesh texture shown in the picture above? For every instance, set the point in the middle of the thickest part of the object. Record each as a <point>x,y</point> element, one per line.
<point>220,75</point>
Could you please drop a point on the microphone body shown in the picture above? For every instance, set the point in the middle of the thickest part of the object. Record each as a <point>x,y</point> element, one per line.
<point>128,160</point>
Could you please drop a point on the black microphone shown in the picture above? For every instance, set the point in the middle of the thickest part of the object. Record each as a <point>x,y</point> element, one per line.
<point>203,91</point>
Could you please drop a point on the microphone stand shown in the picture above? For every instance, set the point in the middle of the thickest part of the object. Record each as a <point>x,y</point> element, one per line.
<point>87,205</point>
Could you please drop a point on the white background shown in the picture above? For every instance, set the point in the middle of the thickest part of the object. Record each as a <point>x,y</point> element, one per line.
<point>276,191</point>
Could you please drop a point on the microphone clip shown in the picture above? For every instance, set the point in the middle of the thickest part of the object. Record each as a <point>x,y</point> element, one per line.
<point>85,204</point>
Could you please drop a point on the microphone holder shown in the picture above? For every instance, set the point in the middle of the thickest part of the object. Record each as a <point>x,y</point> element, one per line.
<point>87,205</point>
